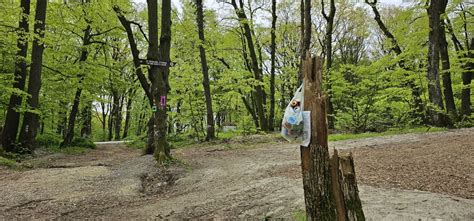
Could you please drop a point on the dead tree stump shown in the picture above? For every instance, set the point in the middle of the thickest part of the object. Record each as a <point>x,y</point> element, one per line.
<point>330,187</point>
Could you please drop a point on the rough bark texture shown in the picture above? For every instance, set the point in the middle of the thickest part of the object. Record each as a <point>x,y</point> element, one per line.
<point>344,184</point>
<point>159,75</point>
<point>466,81</point>
<point>31,119</point>
<point>260,93</point>
<point>434,87</point>
<point>205,71</point>
<point>271,116</point>
<point>12,120</point>
<point>128,113</point>
<point>328,48</point>
<point>319,199</point>
<point>444,55</point>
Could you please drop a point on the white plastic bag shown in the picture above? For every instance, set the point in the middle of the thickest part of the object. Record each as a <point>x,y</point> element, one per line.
<point>292,123</point>
<point>296,123</point>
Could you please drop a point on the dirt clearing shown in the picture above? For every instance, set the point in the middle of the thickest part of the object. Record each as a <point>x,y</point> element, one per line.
<point>115,182</point>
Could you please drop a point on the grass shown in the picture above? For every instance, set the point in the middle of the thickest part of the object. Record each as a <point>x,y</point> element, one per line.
<point>394,131</point>
<point>69,150</point>
<point>9,163</point>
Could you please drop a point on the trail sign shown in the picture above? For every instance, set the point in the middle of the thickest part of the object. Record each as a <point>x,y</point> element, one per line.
<point>157,63</point>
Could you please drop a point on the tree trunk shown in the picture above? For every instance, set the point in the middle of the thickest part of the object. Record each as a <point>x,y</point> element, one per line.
<point>159,75</point>
<point>12,120</point>
<point>467,74</point>
<point>328,48</point>
<point>77,97</point>
<point>434,88</point>
<point>118,118</point>
<point>128,113</point>
<point>260,98</point>
<point>446,74</point>
<point>61,130</point>
<point>86,130</point>
<point>271,117</point>
<point>31,120</point>
<point>205,71</point>
<point>318,194</point>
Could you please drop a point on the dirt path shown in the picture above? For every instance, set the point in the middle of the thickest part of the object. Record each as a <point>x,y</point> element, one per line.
<point>115,182</point>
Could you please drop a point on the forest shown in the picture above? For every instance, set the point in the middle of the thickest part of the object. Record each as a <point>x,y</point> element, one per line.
<point>235,63</point>
<point>161,75</point>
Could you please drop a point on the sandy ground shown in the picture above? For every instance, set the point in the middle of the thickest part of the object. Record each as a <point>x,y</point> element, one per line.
<point>403,177</point>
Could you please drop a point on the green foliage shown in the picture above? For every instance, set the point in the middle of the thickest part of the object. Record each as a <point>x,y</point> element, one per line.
<point>137,142</point>
<point>83,142</point>
<point>8,163</point>
<point>48,140</point>
<point>72,150</point>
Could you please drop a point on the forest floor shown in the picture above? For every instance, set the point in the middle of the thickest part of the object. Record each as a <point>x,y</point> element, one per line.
<point>402,177</point>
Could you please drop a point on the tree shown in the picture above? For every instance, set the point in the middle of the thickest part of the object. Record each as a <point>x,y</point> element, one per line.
<point>159,75</point>
<point>271,117</point>
<point>255,67</point>
<point>205,71</point>
<point>434,88</point>
<point>10,128</point>
<point>30,126</point>
<point>328,51</point>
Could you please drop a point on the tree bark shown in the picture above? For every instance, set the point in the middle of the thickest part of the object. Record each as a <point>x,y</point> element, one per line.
<point>434,88</point>
<point>466,81</point>
<point>118,118</point>
<point>271,117</point>
<point>260,98</point>
<point>444,55</point>
<point>318,194</point>
<point>128,113</point>
<point>86,115</point>
<point>205,71</point>
<point>328,48</point>
<point>12,120</point>
<point>77,97</point>
<point>159,75</point>
<point>31,119</point>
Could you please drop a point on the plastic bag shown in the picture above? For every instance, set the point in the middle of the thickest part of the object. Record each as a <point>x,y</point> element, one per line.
<point>292,123</point>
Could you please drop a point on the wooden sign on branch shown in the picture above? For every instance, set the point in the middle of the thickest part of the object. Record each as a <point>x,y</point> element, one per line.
<point>330,187</point>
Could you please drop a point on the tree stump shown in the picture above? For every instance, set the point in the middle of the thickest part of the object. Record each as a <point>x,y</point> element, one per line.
<point>330,187</point>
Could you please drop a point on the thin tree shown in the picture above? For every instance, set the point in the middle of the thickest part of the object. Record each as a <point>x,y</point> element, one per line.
<point>31,119</point>
<point>271,117</point>
<point>328,51</point>
<point>12,120</point>
<point>395,47</point>
<point>205,71</point>
<point>257,71</point>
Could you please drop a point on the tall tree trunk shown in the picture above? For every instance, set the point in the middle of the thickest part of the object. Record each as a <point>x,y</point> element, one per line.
<point>205,71</point>
<point>61,128</point>
<point>271,117</point>
<point>159,75</point>
<point>260,98</point>
<point>86,116</point>
<point>77,97</point>
<point>104,119</point>
<point>118,118</point>
<point>128,113</point>
<point>446,74</point>
<point>434,88</point>
<point>328,48</point>
<point>31,119</point>
<point>12,120</point>
<point>110,122</point>
<point>467,74</point>
<point>302,50</point>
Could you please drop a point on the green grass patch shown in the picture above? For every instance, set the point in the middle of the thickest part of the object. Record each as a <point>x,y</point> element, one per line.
<point>9,163</point>
<point>393,131</point>
<point>72,150</point>
<point>299,215</point>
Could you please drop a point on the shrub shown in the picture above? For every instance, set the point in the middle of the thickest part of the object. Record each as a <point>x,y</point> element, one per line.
<point>48,140</point>
<point>83,142</point>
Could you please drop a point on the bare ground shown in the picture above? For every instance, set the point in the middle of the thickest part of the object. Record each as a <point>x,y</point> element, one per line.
<point>403,177</point>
